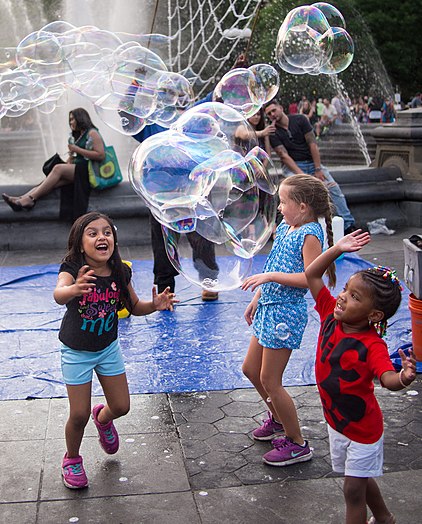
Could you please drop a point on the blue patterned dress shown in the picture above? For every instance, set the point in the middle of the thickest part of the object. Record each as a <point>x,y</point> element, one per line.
<point>281,315</point>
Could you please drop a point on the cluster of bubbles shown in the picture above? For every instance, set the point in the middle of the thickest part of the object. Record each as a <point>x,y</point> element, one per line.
<point>247,90</point>
<point>313,39</point>
<point>128,83</point>
<point>205,179</point>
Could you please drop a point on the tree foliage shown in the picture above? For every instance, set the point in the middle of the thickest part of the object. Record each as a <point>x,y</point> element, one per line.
<point>383,55</point>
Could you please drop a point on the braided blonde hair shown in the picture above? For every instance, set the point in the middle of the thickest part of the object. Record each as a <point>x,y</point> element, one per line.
<point>310,190</point>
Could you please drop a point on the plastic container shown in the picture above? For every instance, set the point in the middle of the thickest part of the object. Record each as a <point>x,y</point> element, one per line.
<point>413,266</point>
<point>415,306</point>
<point>338,230</point>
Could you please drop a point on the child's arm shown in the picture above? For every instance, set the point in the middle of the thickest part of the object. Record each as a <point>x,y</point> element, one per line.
<point>68,288</point>
<point>251,308</point>
<point>159,302</point>
<point>348,244</point>
<point>310,251</point>
<point>396,381</point>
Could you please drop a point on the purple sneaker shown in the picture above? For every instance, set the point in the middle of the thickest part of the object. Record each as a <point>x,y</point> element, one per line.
<point>269,429</point>
<point>73,473</point>
<point>107,433</point>
<point>287,452</point>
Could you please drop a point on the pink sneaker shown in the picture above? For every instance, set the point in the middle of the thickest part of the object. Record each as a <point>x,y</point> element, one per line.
<point>269,429</point>
<point>73,473</point>
<point>287,452</point>
<point>107,433</point>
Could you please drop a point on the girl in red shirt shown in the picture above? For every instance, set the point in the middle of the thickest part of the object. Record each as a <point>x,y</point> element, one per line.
<point>350,355</point>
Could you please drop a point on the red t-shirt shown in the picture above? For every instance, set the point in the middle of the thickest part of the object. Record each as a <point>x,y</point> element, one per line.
<point>345,367</point>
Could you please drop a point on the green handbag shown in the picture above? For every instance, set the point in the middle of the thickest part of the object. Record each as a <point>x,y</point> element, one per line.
<point>105,174</point>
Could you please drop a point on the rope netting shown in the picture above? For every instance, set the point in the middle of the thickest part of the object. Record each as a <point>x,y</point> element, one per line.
<point>206,36</point>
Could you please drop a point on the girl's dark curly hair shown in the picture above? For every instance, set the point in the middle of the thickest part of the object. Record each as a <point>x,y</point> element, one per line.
<point>385,291</point>
<point>74,254</point>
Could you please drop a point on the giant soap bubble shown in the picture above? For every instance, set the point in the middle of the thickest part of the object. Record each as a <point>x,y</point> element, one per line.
<point>129,85</point>
<point>207,188</point>
<point>247,90</point>
<point>313,40</point>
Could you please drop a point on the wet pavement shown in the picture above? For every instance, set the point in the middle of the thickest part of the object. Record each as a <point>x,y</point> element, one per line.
<point>189,457</point>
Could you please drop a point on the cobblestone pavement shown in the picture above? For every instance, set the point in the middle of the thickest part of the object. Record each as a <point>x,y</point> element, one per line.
<point>189,457</point>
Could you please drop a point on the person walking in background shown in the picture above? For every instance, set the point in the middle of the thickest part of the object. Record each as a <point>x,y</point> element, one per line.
<point>416,101</point>
<point>388,112</point>
<point>350,354</point>
<point>278,312</point>
<point>85,144</point>
<point>295,144</point>
<point>94,284</point>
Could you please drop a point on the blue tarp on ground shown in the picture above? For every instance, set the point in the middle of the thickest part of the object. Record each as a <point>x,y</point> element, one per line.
<point>198,347</point>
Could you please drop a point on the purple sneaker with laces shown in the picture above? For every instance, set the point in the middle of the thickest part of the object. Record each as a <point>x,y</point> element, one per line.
<point>73,473</point>
<point>286,452</point>
<point>269,429</point>
<point>107,433</point>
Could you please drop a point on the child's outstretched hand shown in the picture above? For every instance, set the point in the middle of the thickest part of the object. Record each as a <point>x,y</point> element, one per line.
<point>408,372</point>
<point>85,280</point>
<point>354,241</point>
<point>250,312</point>
<point>254,281</point>
<point>164,300</point>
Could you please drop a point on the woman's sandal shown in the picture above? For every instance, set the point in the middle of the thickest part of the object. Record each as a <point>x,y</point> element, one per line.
<point>391,520</point>
<point>16,205</point>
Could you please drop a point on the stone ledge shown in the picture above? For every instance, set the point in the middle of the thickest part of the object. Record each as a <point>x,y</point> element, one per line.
<point>371,193</point>
<point>41,227</point>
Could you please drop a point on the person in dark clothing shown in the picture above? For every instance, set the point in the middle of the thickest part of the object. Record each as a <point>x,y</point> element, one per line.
<point>294,142</point>
<point>203,250</point>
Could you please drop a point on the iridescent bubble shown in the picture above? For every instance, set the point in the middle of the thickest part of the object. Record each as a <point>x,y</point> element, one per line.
<point>238,89</point>
<point>110,109</point>
<point>343,51</point>
<point>282,331</point>
<point>196,259</point>
<point>129,84</point>
<point>313,40</point>
<point>301,38</point>
<point>267,81</point>
<point>195,178</point>
<point>332,14</point>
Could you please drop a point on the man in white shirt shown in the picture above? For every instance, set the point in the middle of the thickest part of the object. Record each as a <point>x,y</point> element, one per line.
<point>328,118</point>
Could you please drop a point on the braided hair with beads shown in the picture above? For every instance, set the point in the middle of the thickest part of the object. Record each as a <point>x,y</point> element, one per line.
<point>385,290</point>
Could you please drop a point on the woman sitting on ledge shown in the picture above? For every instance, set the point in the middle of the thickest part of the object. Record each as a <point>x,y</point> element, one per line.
<point>85,143</point>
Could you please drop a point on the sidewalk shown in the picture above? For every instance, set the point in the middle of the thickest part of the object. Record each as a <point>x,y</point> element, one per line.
<point>189,457</point>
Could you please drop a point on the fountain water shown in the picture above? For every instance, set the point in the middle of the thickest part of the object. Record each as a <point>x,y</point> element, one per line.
<point>344,98</point>
<point>27,141</point>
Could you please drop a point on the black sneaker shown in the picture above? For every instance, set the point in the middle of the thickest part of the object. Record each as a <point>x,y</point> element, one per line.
<point>350,229</point>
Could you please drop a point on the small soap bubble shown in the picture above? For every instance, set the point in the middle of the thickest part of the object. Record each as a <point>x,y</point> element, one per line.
<point>282,331</point>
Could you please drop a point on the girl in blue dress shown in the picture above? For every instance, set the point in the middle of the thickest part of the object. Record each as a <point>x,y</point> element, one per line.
<point>278,311</point>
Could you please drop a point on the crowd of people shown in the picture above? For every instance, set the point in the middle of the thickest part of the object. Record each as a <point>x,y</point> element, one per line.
<point>324,113</point>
